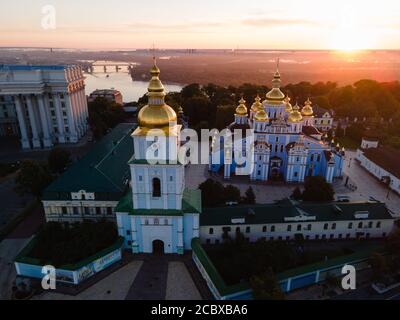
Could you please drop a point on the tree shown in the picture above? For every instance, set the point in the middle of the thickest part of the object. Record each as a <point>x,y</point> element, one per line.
<point>32,178</point>
<point>266,287</point>
<point>58,159</point>
<point>317,189</point>
<point>297,195</point>
<point>212,193</point>
<point>249,196</point>
<point>231,193</point>
<point>104,115</point>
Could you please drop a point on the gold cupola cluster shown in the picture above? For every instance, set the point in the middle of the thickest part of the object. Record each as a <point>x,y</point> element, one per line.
<point>307,109</point>
<point>241,109</point>
<point>156,114</point>
<point>295,115</point>
<point>275,95</point>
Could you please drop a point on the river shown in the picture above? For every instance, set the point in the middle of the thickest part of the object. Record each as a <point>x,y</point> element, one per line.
<point>131,90</point>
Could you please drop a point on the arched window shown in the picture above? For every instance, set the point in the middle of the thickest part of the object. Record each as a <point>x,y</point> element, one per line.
<point>156,188</point>
<point>156,221</point>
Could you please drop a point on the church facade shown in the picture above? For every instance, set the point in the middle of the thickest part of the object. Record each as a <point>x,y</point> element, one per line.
<point>287,145</point>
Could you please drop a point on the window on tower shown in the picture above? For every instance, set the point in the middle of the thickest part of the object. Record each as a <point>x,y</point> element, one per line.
<point>156,188</point>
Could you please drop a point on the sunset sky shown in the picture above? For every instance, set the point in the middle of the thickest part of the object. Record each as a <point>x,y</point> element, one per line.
<point>285,24</point>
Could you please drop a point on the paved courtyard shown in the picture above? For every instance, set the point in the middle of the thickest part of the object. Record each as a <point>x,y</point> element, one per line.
<point>153,278</point>
<point>367,185</point>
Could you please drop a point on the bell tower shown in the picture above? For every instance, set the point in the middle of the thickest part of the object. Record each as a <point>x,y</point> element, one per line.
<point>157,177</point>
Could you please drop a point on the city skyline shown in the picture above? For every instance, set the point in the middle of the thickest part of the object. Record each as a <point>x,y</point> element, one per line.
<point>342,25</point>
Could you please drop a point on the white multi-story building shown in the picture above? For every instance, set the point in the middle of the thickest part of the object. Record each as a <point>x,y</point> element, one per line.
<point>290,220</point>
<point>47,102</point>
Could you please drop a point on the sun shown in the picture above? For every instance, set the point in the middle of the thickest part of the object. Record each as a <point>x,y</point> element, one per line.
<point>348,34</point>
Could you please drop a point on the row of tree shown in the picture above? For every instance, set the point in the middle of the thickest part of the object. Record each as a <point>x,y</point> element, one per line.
<point>213,106</point>
<point>214,193</point>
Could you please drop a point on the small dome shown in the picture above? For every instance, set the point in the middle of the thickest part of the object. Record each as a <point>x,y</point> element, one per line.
<point>257,105</point>
<point>261,115</point>
<point>295,115</point>
<point>307,109</point>
<point>241,109</point>
<point>275,95</point>
<point>288,106</point>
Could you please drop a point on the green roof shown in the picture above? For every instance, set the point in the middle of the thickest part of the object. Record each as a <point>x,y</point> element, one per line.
<point>276,213</point>
<point>191,203</point>
<point>103,170</point>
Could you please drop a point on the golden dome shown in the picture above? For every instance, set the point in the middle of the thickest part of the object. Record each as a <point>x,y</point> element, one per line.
<point>307,109</point>
<point>156,114</point>
<point>288,105</point>
<point>261,115</point>
<point>241,109</point>
<point>257,105</point>
<point>152,116</point>
<point>295,115</point>
<point>275,95</point>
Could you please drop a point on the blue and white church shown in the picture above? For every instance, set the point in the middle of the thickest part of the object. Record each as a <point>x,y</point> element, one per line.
<point>287,145</point>
<point>158,214</point>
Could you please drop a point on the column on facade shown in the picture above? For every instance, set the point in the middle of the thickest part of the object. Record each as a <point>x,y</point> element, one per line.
<point>71,115</point>
<point>84,107</point>
<point>85,111</point>
<point>21,121</point>
<point>33,122</point>
<point>47,142</point>
<point>77,113</point>
<point>60,118</point>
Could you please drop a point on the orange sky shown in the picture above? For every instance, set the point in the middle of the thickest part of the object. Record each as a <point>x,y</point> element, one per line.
<point>289,24</point>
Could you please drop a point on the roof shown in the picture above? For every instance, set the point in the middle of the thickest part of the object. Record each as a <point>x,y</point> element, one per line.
<point>310,130</point>
<point>385,157</point>
<point>16,67</point>
<point>105,92</point>
<point>103,170</point>
<point>319,111</point>
<point>276,213</point>
<point>191,203</point>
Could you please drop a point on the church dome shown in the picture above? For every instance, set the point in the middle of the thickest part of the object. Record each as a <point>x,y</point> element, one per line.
<point>241,109</point>
<point>156,114</point>
<point>261,115</point>
<point>307,109</point>
<point>152,116</point>
<point>295,115</point>
<point>275,95</point>
<point>257,105</point>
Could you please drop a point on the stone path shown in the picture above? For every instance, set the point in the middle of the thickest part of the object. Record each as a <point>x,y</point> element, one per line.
<point>151,281</point>
<point>180,285</point>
